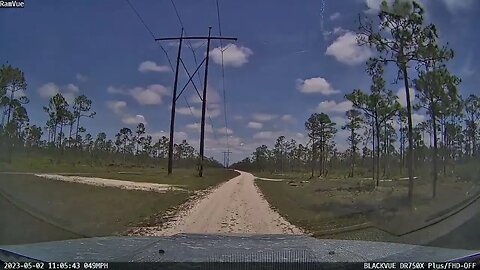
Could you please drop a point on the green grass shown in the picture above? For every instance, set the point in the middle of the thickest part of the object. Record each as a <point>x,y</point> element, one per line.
<point>38,209</point>
<point>318,205</point>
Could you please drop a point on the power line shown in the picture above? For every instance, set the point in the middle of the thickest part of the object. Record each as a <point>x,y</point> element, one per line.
<point>223,80</point>
<point>151,33</point>
<point>189,43</point>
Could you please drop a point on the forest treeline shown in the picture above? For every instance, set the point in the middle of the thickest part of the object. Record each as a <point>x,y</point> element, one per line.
<point>403,42</point>
<point>64,138</point>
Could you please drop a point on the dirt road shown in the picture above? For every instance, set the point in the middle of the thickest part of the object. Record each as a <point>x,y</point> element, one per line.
<point>102,182</point>
<point>236,206</point>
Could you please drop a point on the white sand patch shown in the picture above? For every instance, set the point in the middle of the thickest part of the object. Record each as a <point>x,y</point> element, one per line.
<point>102,182</point>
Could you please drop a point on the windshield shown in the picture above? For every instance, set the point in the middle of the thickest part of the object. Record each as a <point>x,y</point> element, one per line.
<point>353,120</point>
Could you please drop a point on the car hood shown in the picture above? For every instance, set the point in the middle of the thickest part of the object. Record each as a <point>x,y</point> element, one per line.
<point>225,248</point>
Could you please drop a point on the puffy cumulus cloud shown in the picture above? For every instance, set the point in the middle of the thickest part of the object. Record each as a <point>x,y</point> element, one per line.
<point>133,120</point>
<point>197,126</point>
<point>212,96</point>
<point>402,96</point>
<point>316,85</point>
<point>335,16</point>
<point>332,106</point>
<point>69,91</point>
<point>255,125</point>
<point>213,105</point>
<point>264,135</point>
<point>72,88</point>
<point>339,31</point>
<point>263,117</point>
<point>213,110</point>
<point>48,90</point>
<point>346,50</point>
<point>119,107</point>
<point>288,118</point>
<point>225,130</point>
<point>81,78</point>
<point>233,55</point>
<point>150,66</point>
<point>151,95</point>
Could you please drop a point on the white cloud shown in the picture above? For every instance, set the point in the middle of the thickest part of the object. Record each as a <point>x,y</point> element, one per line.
<point>51,89</point>
<point>255,125</point>
<point>133,120</point>
<point>69,97</point>
<point>148,66</point>
<point>335,16</point>
<point>212,96</point>
<point>81,78</point>
<point>233,55</point>
<point>339,31</point>
<point>402,97</point>
<point>288,118</point>
<point>197,126</point>
<point>48,90</point>
<point>264,135</point>
<point>116,106</point>
<point>225,130</point>
<point>72,88</point>
<point>263,117</point>
<point>238,117</point>
<point>212,111</point>
<point>332,106</point>
<point>150,95</point>
<point>454,6</point>
<point>346,50</point>
<point>316,85</point>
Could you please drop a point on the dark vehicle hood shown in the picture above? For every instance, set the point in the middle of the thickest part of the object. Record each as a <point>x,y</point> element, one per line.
<point>225,248</point>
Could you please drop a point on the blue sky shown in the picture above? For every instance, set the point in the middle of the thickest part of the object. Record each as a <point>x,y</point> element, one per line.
<point>290,60</point>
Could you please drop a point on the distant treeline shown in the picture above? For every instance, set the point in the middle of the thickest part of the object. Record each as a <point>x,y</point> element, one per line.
<point>63,138</point>
<point>377,124</point>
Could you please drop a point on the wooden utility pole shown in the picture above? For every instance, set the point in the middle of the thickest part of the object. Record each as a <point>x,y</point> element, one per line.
<point>174,102</point>
<point>204,107</point>
<point>204,98</point>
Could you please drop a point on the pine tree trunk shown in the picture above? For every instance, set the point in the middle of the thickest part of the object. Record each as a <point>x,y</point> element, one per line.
<point>410,135</point>
<point>435,156</point>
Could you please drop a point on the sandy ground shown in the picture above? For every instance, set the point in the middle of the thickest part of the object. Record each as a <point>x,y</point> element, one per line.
<point>161,188</point>
<point>236,206</point>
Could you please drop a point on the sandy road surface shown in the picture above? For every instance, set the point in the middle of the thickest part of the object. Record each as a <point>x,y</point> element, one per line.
<point>102,182</point>
<point>236,206</point>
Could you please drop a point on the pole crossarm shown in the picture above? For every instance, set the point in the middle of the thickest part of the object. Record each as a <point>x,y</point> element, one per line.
<point>195,37</point>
